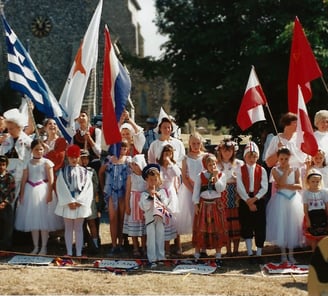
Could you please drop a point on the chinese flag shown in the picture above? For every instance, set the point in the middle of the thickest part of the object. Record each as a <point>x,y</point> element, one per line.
<point>303,68</point>
<point>304,132</point>
<point>251,109</point>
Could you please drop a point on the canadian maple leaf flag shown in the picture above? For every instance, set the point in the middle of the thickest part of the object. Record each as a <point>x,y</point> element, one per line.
<point>304,132</point>
<point>303,68</point>
<point>251,109</point>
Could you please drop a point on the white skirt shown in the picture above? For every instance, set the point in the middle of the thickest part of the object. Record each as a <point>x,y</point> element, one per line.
<point>284,220</point>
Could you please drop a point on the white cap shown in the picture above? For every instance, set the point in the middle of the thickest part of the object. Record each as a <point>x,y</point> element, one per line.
<point>14,115</point>
<point>251,147</point>
<point>140,160</point>
<point>127,126</point>
<point>163,114</point>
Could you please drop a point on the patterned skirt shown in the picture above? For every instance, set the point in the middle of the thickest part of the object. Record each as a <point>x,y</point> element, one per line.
<point>231,198</point>
<point>209,227</point>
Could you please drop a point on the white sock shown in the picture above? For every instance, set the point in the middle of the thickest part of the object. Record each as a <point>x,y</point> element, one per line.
<point>259,252</point>
<point>248,242</point>
<point>44,239</point>
<point>35,238</point>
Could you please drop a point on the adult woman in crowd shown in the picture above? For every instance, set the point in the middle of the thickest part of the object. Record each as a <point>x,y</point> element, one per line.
<point>132,133</point>
<point>287,138</point>
<point>16,146</point>
<point>88,137</point>
<point>321,134</point>
<point>165,128</point>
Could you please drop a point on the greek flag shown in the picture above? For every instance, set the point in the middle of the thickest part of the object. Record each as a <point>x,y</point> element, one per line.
<point>26,79</point>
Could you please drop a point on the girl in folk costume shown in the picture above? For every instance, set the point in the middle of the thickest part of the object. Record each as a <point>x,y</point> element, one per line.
<point>16,146</point>
<point>75,193</point>
<point>285,210</point>
<point>112,177</point>
<point>252,185</point>
<point>209,228</point>
<point>315,202</point>
<point>169,172</point>
<point>34,212</point>
<point>134,222</point>
<point>192,166</point>
<point>153,202</point>
<point>228,164</point>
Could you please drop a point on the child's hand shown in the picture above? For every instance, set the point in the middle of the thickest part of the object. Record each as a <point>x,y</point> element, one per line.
<point>2,205</point>
<point>158,219</point>
<point>74,205</point>
<point>49,197</point>
<point>252,208</point>
<point>196,209</point>
<point>128,210</point>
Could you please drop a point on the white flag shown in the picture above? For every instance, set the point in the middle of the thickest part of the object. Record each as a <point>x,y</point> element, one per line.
<point>85,60</point>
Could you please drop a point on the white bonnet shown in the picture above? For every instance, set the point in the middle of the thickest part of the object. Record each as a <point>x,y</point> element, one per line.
<point>163,114</point>
<point>14,115</point>
<point>127,126</point>
<point>140,160</point>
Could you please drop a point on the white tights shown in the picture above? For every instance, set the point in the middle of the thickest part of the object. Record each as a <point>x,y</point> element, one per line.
<point>76,226</point>
<point>44,238</point>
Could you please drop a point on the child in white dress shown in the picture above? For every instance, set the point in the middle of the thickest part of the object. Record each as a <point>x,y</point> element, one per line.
<point>75,194</point>
<point>285,210</point>
<point>34,213</point>
<point>169,174</point>
<point>191,167</point>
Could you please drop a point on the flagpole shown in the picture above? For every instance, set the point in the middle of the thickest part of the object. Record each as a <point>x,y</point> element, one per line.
<point>268,108</point>
<point>30,114</point>
<point>324,83</point>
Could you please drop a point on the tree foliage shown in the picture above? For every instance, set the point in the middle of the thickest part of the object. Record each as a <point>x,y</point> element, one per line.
<point>212,45</point>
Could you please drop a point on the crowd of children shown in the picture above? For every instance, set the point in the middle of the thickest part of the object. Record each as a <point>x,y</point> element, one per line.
<point>155,198</point>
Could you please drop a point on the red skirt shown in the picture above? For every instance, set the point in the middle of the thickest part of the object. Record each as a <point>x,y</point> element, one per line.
<point>231,198</point>
<point>209,227</point>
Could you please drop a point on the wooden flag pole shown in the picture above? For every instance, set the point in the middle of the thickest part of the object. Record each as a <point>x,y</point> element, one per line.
<point>268,108</point>
<point>324,83</point>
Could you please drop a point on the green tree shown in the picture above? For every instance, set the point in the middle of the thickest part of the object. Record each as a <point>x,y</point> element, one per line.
<point>212,45</point>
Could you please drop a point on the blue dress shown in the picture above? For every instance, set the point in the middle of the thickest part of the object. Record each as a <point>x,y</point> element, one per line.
<point>115,181</point>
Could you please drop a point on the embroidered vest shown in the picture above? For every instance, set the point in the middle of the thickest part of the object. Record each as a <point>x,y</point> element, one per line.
<point>205,184</point>
<point>257,178</point>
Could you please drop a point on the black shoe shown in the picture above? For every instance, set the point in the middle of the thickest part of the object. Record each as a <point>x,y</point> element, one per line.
<point>218,262</point>
<point>252,259</point>
<point>260,260</point>
<point>203,255</point>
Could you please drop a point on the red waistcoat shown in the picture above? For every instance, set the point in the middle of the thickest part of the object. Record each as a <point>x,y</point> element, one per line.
<point>257,178</point>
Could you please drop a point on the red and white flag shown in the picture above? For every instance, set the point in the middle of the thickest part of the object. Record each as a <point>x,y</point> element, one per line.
<point>304,132</point>
<point>303,68</point>
<point>251,108</point>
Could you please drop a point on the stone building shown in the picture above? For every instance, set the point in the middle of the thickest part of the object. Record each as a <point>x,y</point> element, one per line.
<point>54,44</point>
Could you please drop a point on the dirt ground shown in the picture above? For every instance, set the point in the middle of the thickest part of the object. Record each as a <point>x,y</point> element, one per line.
<point>236,277</point>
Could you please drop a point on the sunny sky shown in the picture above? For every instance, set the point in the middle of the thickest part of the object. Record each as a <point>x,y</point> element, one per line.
<point>153,39</point>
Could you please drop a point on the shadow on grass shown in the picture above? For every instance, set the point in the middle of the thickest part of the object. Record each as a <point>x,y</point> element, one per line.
<point>297,285</point>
